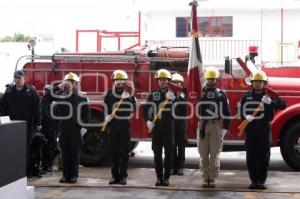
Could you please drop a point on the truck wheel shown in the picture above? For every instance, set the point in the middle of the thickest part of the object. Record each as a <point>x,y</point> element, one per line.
<point>95,148</point>
<point>290,147</point>
<point>133,145</point>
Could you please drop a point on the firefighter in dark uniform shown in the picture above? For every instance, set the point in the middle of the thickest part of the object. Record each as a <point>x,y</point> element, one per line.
<point>119,126</point>
<point>180,126</point>
<point>49,128</point>
<point>21,102</point>
<point>1,96</point>
<point>162,128</point>
<point>258,131</point>
<point>73,118</point>
<point>214,112</point>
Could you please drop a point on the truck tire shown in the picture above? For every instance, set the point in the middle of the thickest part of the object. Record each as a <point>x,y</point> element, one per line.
<point>95,147</point>
<point>290,147</point>
<point>133,145</point>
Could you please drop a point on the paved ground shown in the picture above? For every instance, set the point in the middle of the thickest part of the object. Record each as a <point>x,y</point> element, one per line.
<point>232,183</point>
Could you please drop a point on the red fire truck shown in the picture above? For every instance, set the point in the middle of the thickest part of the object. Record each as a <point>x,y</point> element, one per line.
<point>95,70</point>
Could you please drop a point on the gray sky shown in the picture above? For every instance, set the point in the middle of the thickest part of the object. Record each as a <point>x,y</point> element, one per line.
<point>44,16</point>
<point>62,17</point>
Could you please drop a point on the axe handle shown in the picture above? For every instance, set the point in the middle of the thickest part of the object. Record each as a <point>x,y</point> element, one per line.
<point>244,124</point>
<point>159,113</point>
<point>112,114</point>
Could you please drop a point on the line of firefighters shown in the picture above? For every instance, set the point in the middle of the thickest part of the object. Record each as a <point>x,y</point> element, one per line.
<point>21,102</point>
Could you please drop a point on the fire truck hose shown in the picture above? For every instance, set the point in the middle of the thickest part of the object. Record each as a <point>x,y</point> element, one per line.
<point>159,113</point>
<point>112,114</point>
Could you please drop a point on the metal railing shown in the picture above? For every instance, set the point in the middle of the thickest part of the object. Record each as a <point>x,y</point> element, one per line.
<point>213,50</point>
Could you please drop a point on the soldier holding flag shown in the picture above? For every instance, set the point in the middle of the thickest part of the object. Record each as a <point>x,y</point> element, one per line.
<point>214,115</point>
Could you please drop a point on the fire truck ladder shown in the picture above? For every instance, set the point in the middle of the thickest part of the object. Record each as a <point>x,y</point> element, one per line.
<point>105,58</point>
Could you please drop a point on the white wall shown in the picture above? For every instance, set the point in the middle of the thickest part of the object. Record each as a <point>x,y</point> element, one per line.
<point>248,24</point>
<point>10,52</point>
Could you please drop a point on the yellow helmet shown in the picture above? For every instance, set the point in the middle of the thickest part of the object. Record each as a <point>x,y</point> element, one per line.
<point>176,77</point>
<point>211,73</point>
<point>71,76</point>
<point>163,73</point>
<point>119,75</point>
<point>259,76</point>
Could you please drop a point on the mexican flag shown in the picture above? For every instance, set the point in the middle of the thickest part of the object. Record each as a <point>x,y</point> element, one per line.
<point>195,73</point>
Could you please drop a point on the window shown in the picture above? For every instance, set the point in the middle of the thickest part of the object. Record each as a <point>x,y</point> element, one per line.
<point>217,26</point>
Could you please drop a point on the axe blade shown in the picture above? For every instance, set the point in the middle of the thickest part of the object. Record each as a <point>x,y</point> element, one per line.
<point>271,93</point>
<point>129,88</point>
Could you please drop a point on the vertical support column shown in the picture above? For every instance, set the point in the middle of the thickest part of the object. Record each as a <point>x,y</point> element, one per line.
<point>139,29</point>
<point>281,47</point>
<point>119,41</point>
<point>76,42</point>
<point>99,39</point>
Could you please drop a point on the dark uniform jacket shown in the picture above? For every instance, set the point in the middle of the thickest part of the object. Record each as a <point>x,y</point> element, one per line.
<point>249,102</point>
<point>74,99</point>
<point>150,110</point>
<point>180,122</point>
<point>22,105</point>
<point>127,107</point>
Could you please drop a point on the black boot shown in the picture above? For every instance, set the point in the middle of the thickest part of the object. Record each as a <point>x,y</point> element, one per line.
<point>261,186</point>
<point>180,172</point>
<point>113,181</point>
<point>63,180</point>
<point>166,182</point>
<point>73,180</point>
<point>253,185</point>
<point>159,182</point>
<point>123,181</point>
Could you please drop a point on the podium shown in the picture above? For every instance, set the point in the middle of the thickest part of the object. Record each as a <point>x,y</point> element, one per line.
<point>13,181</point>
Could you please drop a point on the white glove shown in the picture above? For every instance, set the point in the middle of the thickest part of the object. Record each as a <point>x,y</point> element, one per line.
<point>62,85</point>
<point>83,131</point>
<point>150,125</point>
<point>182,95</point>
<point>224,131</point>
<point>249,118</point>
<point>266,99</point>
<point>125,94</point>
<point>108,118</point>
<point>170,95</point>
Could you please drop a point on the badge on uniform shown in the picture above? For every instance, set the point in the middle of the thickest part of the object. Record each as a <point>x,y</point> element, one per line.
<point>156,96</point>
<point>211,95</point>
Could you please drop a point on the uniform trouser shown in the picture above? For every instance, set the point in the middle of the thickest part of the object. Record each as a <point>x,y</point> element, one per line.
<point>163,137</point>
<point>29,134</point>
<point>209,148</point>
<point>258,158</point>
<point>179,149</point>
<point>49,150</point>
<point>119,137</point>
<point>70,142</point>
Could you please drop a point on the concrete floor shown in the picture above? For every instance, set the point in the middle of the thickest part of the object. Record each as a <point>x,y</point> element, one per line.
<point>232,182</point>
